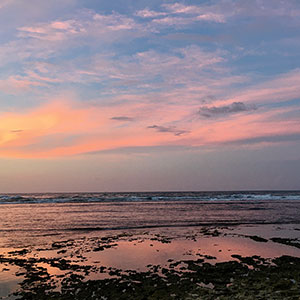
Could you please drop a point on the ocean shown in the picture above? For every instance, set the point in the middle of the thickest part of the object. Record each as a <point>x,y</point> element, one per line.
<point>34,219</point>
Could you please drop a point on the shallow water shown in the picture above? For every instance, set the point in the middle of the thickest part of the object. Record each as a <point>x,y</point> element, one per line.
<point>140,250</point>
<point>36,223</point>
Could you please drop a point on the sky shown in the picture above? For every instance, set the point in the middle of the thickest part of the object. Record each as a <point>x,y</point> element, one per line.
<point>149,95</point>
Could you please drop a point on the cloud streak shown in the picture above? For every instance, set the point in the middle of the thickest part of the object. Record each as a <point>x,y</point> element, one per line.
<point>178,14</point>
<point>233,108</point>
<point>163,129</point>
<point>268,139</point>
<point>123,118</point>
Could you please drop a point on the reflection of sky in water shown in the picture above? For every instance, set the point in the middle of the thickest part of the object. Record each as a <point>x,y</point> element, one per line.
<point>8,280</point>
<point>137,255</point>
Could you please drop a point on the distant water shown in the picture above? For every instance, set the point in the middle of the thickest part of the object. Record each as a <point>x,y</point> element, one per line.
<point>32,219</point>
<point>148,196</point>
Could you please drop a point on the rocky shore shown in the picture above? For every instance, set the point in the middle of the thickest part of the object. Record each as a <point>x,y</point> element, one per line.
<point>203,263</point>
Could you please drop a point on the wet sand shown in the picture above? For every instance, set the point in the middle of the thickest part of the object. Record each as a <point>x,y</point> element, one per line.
<point>206,262</point>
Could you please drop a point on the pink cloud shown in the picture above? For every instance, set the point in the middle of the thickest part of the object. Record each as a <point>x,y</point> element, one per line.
<point>282,88</point>
<point>179,14</point>
<point>55,31</point>
<point>18,84</point>
<point>146,13</point>
<point>88,23</point>
<point>242,127</point>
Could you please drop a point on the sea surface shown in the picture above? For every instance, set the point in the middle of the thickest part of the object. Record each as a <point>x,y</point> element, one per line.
<point>33,219</point>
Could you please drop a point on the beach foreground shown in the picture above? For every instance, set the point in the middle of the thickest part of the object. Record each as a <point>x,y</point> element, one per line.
<point>200,262</point>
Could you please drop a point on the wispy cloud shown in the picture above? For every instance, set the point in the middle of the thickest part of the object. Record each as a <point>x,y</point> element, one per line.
<point>147,13</point>
<point>205,13</point>
<point>283,87</point>
<point>146,71</point>
<point>18,84</point>
<point>84,25</point>
<point>164,129</point>
<point>268,139</point>
<point>123,118</point>
<point>55,31</point>
<point>140,150</point>
<point>178,14</point>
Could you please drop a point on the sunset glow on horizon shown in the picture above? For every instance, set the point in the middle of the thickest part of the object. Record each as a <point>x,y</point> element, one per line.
<point>149,95</point>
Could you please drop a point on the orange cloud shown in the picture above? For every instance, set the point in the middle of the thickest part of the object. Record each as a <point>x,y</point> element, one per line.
<point>22,134</point>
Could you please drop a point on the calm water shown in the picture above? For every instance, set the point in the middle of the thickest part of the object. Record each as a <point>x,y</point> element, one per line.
<point>33,219</point>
